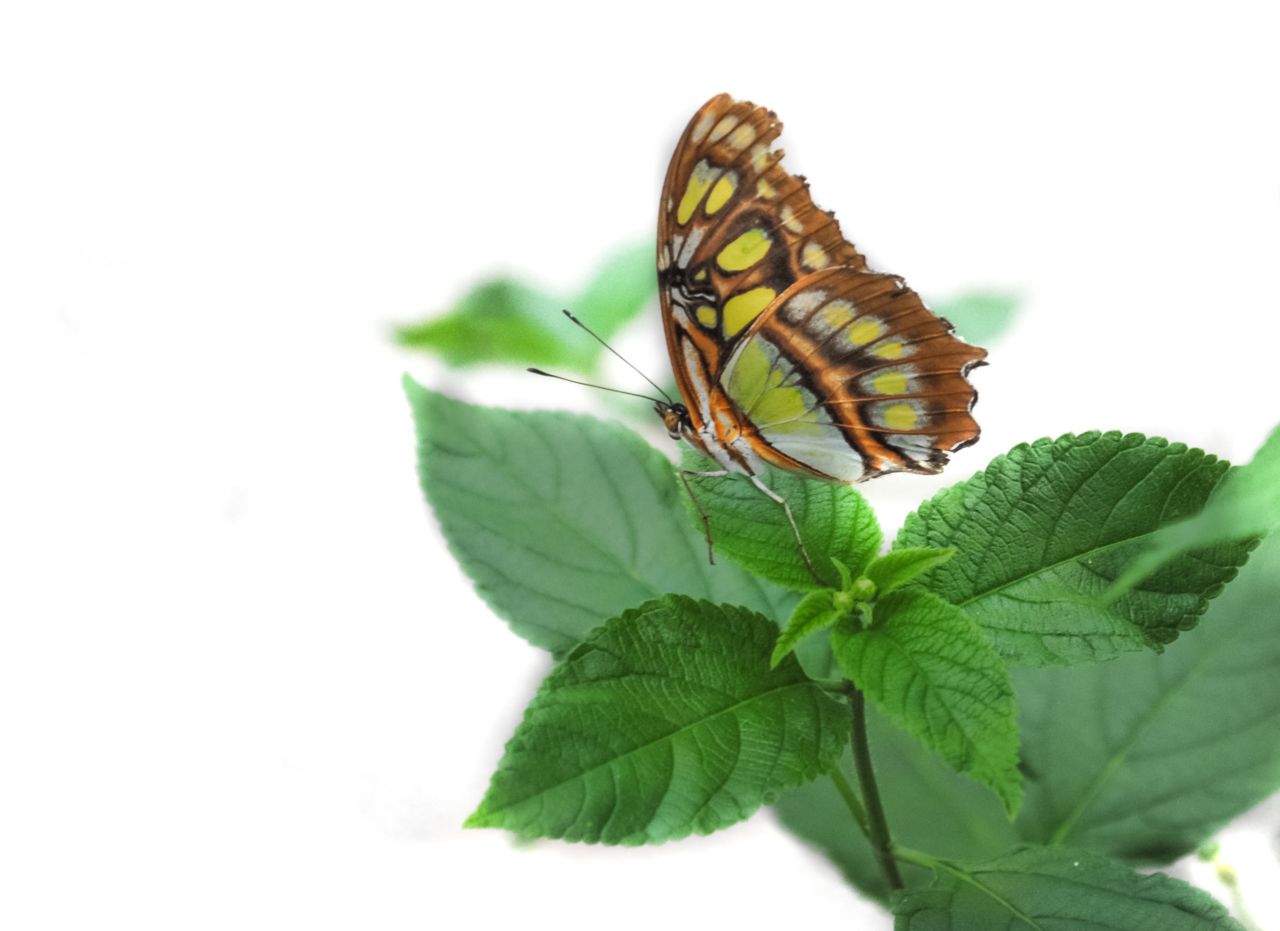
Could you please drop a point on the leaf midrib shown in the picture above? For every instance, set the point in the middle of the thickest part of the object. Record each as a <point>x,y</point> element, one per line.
<point>979,749</point>
<point>1106,547</point>
<point>967,877</point>
<point>1117,758</point>
<point>997,589</point>
<point>671,735</point>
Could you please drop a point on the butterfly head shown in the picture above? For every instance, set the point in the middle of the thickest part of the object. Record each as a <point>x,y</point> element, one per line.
<point>675,417</point>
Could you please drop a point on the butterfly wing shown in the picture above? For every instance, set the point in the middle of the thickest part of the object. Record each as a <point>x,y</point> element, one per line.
<point>851,376</point>
<point>774,322</point>
<point>735,230</point>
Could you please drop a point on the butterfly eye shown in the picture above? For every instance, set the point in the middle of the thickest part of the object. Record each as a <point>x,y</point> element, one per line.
<point>673,417</point>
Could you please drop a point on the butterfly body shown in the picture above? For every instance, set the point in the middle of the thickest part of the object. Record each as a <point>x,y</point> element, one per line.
<point>722,437</point>
<point>788,351</point>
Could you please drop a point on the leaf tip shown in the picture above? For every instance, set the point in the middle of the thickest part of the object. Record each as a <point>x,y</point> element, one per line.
<point>411,388</point>
<point>480,819</point>
<point>1011,797</point>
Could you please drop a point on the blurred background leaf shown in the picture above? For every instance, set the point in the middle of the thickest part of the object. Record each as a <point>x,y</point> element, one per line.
<point>980,317</point>
<point>620,289</point>
<point>507,321</point>
<point>1186,741</point>
<point>504,320</point>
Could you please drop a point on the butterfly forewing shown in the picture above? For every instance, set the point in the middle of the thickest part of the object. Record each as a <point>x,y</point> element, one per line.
<point>774,323</point>
<point>734,230</point>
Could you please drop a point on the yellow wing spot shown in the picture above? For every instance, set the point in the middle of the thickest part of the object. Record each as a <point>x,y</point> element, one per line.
<point>741,137</point>
<point>814,256</point>
<point>837,313</point>
<point>722,191</point>
<point>890,350</point>
<point>864,331</point>
<point>745,251</point>
<point>789,220</point>
<point>706,315</point>
<point>899,417</point>
<point>700,275</point>
<point>701,178</point>
<point>742,308</point>
<point>766,190</point>
<point>722,128</point>
<point>760,158</point>
<point>889,383</point>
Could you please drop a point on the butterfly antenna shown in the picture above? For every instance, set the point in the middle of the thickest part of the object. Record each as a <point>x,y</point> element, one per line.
<point>587,384</point>
<point>596,337</point>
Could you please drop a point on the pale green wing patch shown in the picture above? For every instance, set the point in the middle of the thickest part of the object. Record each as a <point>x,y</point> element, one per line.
<point>767,388</point>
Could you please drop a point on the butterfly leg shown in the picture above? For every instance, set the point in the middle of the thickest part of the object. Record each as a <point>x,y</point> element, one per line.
<point>706,521</point>
<point>777,498</point>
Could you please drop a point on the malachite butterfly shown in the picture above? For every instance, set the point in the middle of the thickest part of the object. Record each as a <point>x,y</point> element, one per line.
<point>787,349</point>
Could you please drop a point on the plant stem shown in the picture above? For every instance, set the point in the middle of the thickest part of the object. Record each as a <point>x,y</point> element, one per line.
<point>919,858</point>
<point>851,800</point>
<point>878,828</point>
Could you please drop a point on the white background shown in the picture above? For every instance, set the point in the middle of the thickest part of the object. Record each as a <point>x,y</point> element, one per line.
<point>242,684</point>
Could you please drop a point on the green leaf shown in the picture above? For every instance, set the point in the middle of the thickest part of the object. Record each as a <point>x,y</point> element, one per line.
<point>499,321</point>
<point>506,321</point>
<point>931,670</point>
<point>844,574</point>
<point>1055,890</point>
<point>834,521</point>
<point>1047,527</point>
<point>1146,757</point>
<point>666,721</point>
<point>901,567</point>
<point>928,805</point>
<point>562,520</point>
<point>622,287</point>
<point>980,316</point>
<point>1246,505</point>
<point>816,611</point>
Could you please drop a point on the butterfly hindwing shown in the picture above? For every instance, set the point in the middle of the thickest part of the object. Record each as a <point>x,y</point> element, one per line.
<point>855,358</point>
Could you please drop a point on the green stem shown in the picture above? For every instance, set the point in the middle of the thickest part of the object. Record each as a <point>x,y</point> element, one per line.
<point>851,799</point>
<point>917,857</point>
<point>877,827</point>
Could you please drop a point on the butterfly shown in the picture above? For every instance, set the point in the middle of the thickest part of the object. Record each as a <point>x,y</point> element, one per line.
<point>787,349</point>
